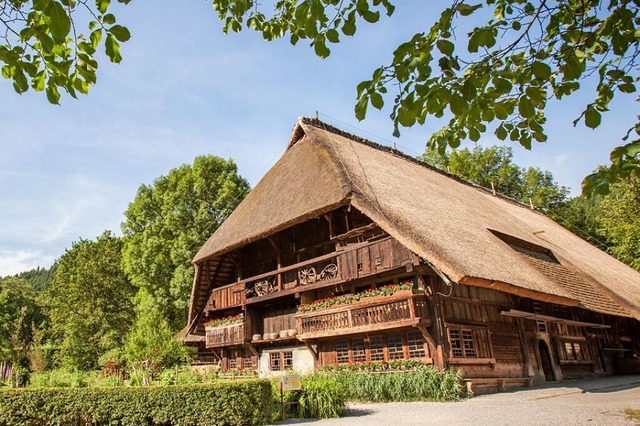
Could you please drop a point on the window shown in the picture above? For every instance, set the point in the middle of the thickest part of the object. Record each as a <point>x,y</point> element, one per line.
<point>381,347</point>
<point>342,351</point>
<point>394,344</point>
<point>358,351</point>
<point>572,351</point>
<point>376,348</point>
<point>415,343</point>
<point>279,361</point>
<point>456,343</point>
<point>537,309</point>
<point>464,342</point>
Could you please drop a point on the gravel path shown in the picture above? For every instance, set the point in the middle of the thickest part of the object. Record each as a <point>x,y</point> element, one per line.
<point>585,402</point>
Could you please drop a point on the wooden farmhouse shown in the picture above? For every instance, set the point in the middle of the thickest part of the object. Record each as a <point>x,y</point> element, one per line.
<point>351,252</point>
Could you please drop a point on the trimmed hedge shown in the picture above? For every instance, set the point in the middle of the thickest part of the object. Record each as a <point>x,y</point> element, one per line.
<point>246,402</point>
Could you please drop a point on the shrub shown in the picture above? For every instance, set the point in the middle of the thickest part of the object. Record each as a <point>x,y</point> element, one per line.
<point>245,402</point>
<point>422,384</point>
<point>184,375</point>
<point>61,378</point>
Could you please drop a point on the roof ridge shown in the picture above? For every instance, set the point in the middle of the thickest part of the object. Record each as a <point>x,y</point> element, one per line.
<point>315,122</point>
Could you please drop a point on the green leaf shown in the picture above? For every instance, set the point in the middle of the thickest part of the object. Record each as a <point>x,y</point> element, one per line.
<point>377,101</point>
<point>20,83</point>
<point>525,107</point>
<point>321,48</point>
<point>119,32</point>
<point>41,5</point>
<point>349,28</point>
<point>467,9</point>
<point>501,133</point>
<point>53,95</point>
<point>112,49</point>
<point>102,5</point>
<point>38,81</point>
<point>333,36</point>
<point>458,105</point>
<point>541,70</point>
<point>627,88</point>
<point>468,90</point>
<point>592,117</point>
<point>445,46</point>
<point>108,19</point>
<point>405,118</point>
<point>361,108</point>
<point>60,22</point>
<point>371,17</point>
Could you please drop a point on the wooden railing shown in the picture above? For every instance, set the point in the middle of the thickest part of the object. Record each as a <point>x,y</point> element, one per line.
<point>225,297</point>
<point>380,312</point>
<point>355,262</point>
<point>226,335</point>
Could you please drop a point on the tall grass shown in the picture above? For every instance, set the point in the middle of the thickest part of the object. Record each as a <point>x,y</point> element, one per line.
<point>422,384</point>
<point>322,396</point>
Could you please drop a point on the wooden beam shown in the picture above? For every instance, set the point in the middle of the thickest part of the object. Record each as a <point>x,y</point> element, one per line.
<point>539,317</point>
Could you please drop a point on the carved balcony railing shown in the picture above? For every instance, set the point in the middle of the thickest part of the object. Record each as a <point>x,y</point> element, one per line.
<point>321,269</point>
<point>371,314</point>
<point>226,335</point>
<point>348,264</point>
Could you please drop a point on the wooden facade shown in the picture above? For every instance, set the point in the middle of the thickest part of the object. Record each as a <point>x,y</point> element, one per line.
<point>498,339</point>
<point>337,287</point>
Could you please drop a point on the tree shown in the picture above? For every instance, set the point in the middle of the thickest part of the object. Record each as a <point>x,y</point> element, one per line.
<point>493,168</point>
<point>41,47</point>
<point>90,301</point>
<point>19,311</point>
<point>167,223</point>
<point>501,74</point>
<point>150,344</point>
<point>620,222</point>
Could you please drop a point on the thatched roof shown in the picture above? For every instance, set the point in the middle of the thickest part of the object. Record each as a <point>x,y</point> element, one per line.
<point>457,227</point>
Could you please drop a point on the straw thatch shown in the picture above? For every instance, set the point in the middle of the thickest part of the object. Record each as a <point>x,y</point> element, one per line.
<point>453,225</point>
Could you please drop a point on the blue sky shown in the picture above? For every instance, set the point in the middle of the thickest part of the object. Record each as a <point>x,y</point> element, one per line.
<point>184,89</point>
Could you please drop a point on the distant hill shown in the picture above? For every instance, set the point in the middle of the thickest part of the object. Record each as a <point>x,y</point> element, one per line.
<point>39,278</point>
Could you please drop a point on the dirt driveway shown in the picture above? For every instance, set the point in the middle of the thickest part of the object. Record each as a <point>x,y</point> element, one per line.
<point>586,402</point>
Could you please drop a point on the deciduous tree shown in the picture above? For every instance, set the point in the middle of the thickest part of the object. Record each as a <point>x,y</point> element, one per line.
<point>19,311</point>
<point>167,223</point>
<point>493,168</point>
<point>90,301</point>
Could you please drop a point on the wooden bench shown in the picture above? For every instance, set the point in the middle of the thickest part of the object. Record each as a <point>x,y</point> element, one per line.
<point>480,384</point>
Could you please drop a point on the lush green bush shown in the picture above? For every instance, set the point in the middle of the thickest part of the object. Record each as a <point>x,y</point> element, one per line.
<point>243,402</point>
<point>422,384</point>
<point>61,378</point>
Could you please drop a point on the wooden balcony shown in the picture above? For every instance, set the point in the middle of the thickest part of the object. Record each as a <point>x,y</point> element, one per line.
<point>401,309</point>
<point>355,262</point>
<point>226,297</point>
<point>226,335</point>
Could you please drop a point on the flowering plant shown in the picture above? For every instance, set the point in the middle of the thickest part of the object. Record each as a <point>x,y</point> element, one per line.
<point>386,290</point>
<point>369,366</point>
<point>232,319</point>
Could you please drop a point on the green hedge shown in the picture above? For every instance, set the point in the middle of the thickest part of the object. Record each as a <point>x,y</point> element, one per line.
<point>246,402</point>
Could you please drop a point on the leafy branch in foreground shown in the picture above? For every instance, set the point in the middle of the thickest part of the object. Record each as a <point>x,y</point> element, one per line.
<point>525,55</point>
<point>501,73</point>
<point>42,49</point>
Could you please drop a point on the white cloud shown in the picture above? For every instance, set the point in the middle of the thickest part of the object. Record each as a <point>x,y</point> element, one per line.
<point>15,261</point>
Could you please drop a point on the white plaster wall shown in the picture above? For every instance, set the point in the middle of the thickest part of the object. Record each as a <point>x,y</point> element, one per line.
<point>303,362</point>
